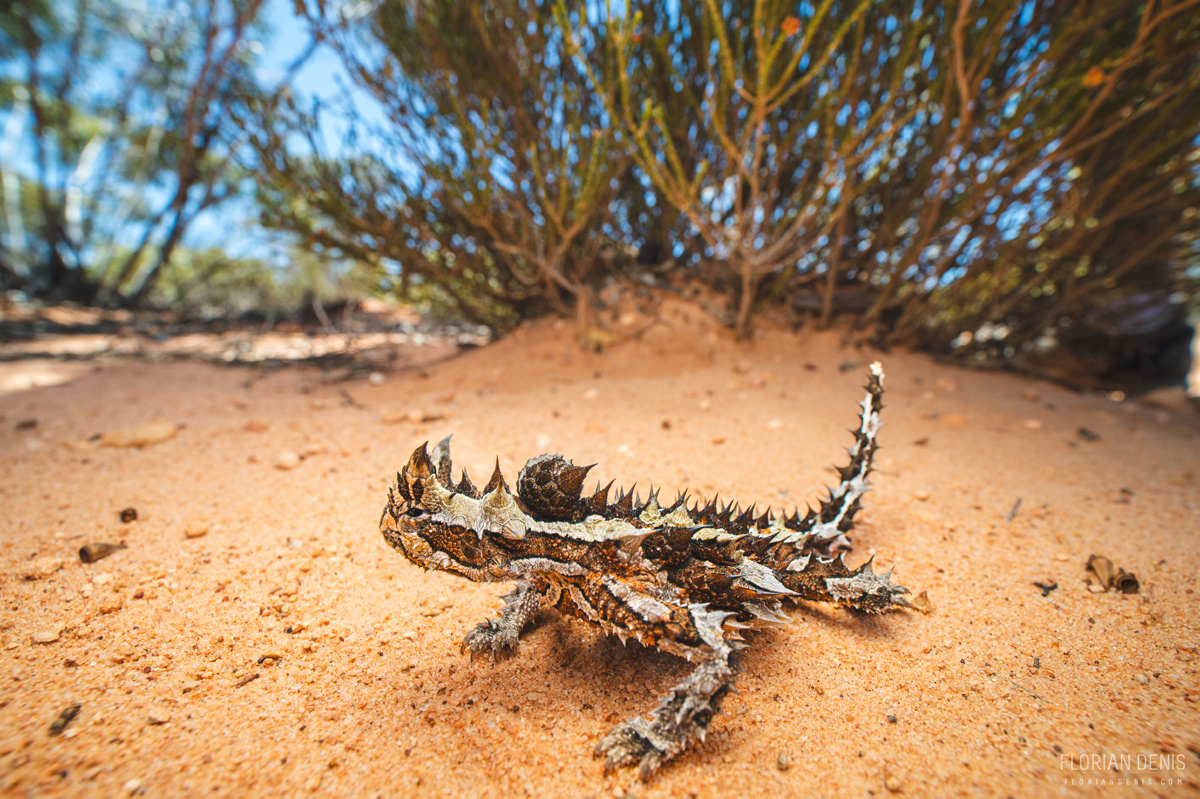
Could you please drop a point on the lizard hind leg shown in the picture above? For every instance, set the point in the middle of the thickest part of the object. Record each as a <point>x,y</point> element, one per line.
<point>685,712</point>
<point>499,636</point>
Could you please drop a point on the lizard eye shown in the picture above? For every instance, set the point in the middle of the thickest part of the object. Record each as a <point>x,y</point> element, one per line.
<point>414,513</point>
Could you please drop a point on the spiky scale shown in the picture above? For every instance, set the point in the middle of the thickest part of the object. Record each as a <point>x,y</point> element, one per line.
<point>496,481</point>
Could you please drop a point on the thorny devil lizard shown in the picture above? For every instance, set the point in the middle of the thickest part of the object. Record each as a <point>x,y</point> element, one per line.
<point>681,579</point>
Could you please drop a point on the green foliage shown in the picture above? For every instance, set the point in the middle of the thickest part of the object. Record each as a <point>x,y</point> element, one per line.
<point>497,172</point>
<point>128,114</point>
<point>209,283</point>
<point>1014,161</point>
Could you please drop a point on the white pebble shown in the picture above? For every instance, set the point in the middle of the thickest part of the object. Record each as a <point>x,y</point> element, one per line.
<point>287,460</point>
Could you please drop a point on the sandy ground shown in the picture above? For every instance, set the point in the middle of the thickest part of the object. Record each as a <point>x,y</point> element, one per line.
<point>258,638</point>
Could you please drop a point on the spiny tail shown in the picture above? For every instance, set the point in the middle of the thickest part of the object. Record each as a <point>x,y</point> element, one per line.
<point>837,513</point>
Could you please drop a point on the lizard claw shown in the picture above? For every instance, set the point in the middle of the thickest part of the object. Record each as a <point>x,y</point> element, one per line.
<point>629,743</point>
<point>489,636</point>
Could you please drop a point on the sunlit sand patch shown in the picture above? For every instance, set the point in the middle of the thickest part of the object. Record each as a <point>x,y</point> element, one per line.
<point>25,375</point>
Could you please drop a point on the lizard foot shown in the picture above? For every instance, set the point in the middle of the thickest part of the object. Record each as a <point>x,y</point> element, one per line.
<point>636,741</point>
<point>492,636</point>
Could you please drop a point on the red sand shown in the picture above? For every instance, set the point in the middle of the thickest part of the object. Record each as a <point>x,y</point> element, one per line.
<point>991,694</point>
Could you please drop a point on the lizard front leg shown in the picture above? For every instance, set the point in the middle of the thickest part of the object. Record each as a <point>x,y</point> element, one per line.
<point>499,636</point>
<point>684,714</point>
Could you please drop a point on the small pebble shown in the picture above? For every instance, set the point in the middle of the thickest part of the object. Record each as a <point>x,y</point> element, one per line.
<point>1033,424</point>
<point>1142,678</point>
<point>90,553</point>
<point>295,543</point>
<point>591,394</point>
<point>921,603</point>
<point>892,784</point>
<point>66,717</point>
<point>922,495</point>
<point>783,761</point>
<point>42,567</point>
<point>287,460</point>
<point>47,636</point>
<point>129,515</point>
<point>132,786</point>
<point>159,716</point>
<point>375,378</point>
<point>196,529</point>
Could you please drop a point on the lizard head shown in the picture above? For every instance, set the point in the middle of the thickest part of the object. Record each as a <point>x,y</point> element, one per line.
<point>438,524</point>
<point>432,521</point>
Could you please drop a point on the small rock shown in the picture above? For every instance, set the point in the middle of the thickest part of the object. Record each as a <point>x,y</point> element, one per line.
<point>543,442</point>
<point>1033,424</point>
<point>921,603</point>
<point>159,715</point>
<point>1088,435</point>
<point>718,441</point>
<point>47,636</point>
<point>66,717</point>
<point>591,394</point>
<point>922,495</point>
<point>375,378</point>
<point>1142,678</point>
<point>891,783</point>
<point>129,515</point>
<point>42,567</point>
<point>295,543</point>
<point>90,553</point>
<point>287,460</point>
<point>140,436</point>
<point>312,449</point>
<point>132,786</point>
<point>196,529</point>
<point>783,762</point>
<point>112,605</point>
